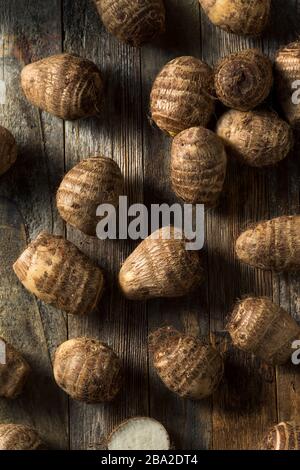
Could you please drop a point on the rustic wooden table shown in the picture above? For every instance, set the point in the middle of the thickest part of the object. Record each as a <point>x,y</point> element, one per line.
<point>251,397</point>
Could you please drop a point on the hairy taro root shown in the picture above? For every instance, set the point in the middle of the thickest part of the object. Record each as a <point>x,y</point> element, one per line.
<point>273,244</point>
<point>181,96</point>
<point>19,437</point>
<point>259,326</point>
<point>198,166</point>
<point>243,80</point>
<point>248,17</point>
<point>140,433</point>
<point>188,366</point>
<point>94,181</point>
<point>13,373</point>
<point>283,436</point>
<point>59,274</point>
<point>88,370</point>
<point>160,267</point>
<point>8,150</point>
<point>133,21</point>
<point>65,85</point>
<point>255,138</point>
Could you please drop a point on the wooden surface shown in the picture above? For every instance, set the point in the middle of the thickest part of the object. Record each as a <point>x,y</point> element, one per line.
<point>252,396</point>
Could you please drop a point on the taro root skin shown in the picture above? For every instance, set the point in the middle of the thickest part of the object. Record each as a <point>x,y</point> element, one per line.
<point>182,95</point>
<point>14,373</point>
<point>133,21</point>
<point>283,436</point>
<point>255,138</point>
<point>88,370</point>
<point>198,166</point>
<point>8,150</point>
<point>19,437</point>
<point>272,245</point>
<point>64,85</point>
<point>243,80</point>
<point>55,271</point>
<point>94,181</point>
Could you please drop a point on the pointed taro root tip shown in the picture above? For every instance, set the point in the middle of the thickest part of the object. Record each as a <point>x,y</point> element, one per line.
<point>19,437</point>
<point>283,436</point>
<point>14,371</point>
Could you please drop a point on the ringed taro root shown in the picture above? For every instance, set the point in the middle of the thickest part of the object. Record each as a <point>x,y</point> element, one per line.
<point>59,274</point>
<point>243,80</point>
<point>13,373</point>
<point>19,437</point>
<point>283,436</point>
<point>64,85</point>
<point>88,370</point>
<point>94,181</point>
<point>8,150</point>
<point>181,96</point>
<point>259,326</point>
<point>198,166</point>
<point>160,267</point>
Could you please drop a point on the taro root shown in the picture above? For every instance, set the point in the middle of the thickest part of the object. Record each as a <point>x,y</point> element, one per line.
<point>243,80</point>
<point>255,138</point>
<point>88,370</point>
<point>273,244</point>
<point>133,21</point>
<point>65,85</point>
<point>94,181</point>
<point>19,437</point>
<point>283,436</point>
<point>160,266</point>
<point>59,274</point>
<point>188,366</point>
<point>259,326</point>
<point>198,166</point>
<point>8,150</point>
<point>13,373</point>
<point>182,95</point>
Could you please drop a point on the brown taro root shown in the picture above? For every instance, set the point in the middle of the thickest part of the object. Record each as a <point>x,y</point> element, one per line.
<point>283,436</point>
<point>88,370</point>
<point>238,16</point>
<point>13,372</point>
<point>65,85</point>
<point>273,244</point>
<point>259,326</point>
<point>19,437</point>
<point>198,166</point>
<point>160,266</point>
<point>94,181</point>
<point>181,96</point>
<point>255,138</point>
<point>133,21</point>
<point>188,366</point>
<point>243,80</point>
<point>58,273</point>
<point>8,150</point>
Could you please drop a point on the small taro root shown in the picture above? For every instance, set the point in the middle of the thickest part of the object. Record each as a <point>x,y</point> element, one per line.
<point>133,21</point>
<point>13,373</point>
<point>273,244</point>
<point>140,433</point>
<point>198,166</point>
<point>259,326</point>
<point>160,267</point>
<point>188,366</point>
<point>94,181</point>
<point>88,370</point>
<point>243,80</point>
<point>181,96</point>
<point>8,150</point>
<point>283,436</point>
<point>255,138</point>
<point>58,273</point>
<point>64,85</point>
<point>19,437</point>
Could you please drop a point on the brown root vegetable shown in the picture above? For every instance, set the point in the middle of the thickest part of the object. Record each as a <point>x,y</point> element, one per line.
<point>65,85</point>
<point>94,181</point>
<point>181,96</point>
<point>273,244</point>
<point>58,273</point>
<point>88,370</point>
<point>160,267</point>
<point>283,436</point>
<point>259,326</point>
<point>188,366</point>
<point>198,166</point>
<point>140,433</point>
<point>243,80</point>
<point>133,21</point>
<point>255,138</point>
<point>19,437</point>
<point>8,150</point>
<point>13,373</point>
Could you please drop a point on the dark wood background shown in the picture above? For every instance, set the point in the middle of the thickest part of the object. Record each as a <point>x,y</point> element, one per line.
<point>252,396</point>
